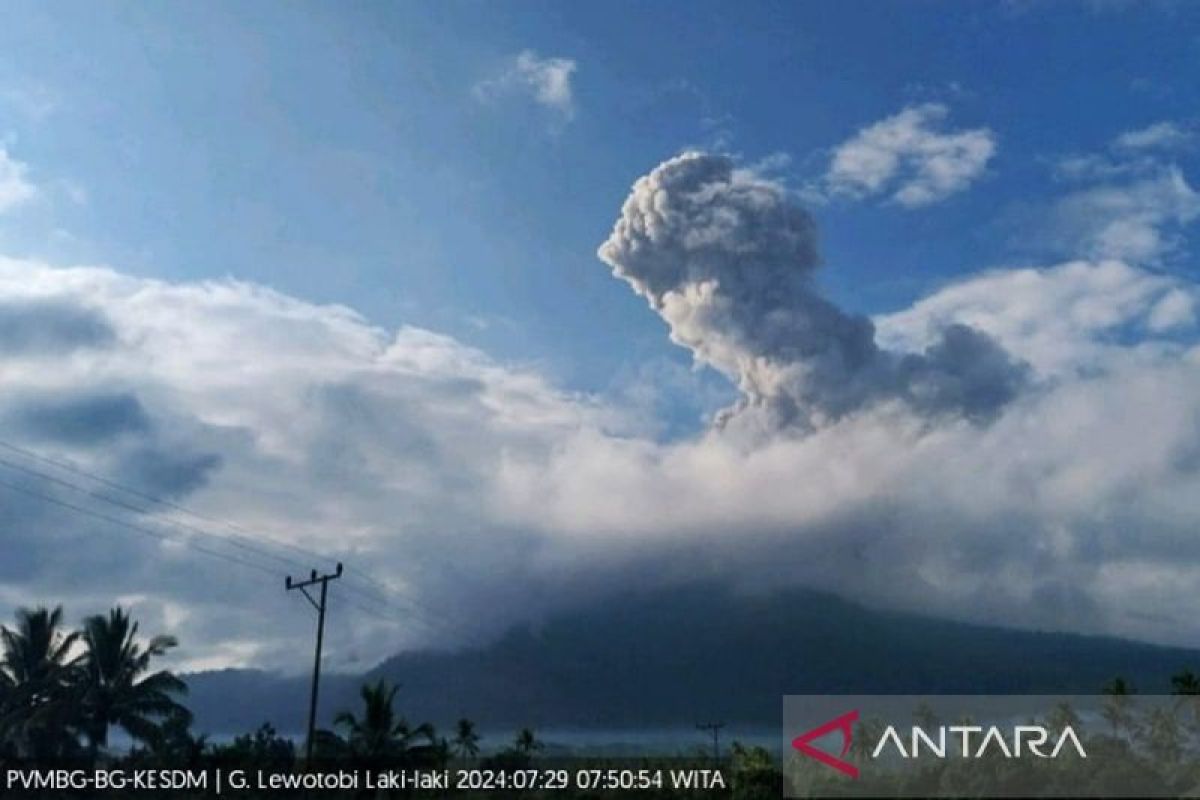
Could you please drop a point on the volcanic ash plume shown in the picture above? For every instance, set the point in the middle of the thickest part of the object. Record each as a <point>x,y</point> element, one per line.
<point>727,260</point>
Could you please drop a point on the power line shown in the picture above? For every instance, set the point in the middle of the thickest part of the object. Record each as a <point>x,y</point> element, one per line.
<point>137,509</point>
<point>468,635</point>
<point>386,597</point>
<point>132,526</point>
<point>246,536</point>
<point>231,540</point>
<point>159,535</point>
<point>72,468</point>
<point>246,540</point>
<point>162,536</point>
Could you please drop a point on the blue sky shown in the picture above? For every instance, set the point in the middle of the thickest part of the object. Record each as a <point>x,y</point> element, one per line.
<point>936,261</point>
<point>337,151</point>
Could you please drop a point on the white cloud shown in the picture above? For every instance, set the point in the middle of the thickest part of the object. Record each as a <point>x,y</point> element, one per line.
<point>301,422</point>
<point>1129,202</point>
<point>1091,472</point>
<point>1174,310</point>
<point>15,186</point>
<point>1138,220</point>
<point>547,81</point>
<point>1098,167</point>
<point>907,157</point>
<point>1136,153</point>
<point>491,495</point>
<point>1159,136</point>
<point>1062,320</point>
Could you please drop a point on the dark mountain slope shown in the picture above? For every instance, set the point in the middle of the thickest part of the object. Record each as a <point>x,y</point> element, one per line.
<point>673,657</point>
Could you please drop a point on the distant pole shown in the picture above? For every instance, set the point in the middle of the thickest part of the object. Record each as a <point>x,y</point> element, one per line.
<point>323,580</point>
<point>715,729</point>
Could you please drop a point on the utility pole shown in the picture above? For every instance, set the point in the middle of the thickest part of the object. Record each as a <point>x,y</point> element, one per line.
<point>715,729</point>
<point>313,580</point>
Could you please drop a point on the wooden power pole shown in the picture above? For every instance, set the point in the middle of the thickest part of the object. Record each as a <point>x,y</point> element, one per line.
<point>319,605</point>
<point>715,729</point>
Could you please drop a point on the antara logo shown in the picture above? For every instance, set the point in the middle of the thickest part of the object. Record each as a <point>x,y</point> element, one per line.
<point>1024,739</point>
<point>845,724</point>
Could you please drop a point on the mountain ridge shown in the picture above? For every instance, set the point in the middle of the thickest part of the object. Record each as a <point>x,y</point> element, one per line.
<point>669,657</point>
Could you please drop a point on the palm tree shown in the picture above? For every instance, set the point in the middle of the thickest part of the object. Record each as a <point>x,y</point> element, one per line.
<point>527,742</point>
<point>37,653</point>
<point>7,709</point>
<point>118,690</point>
<point>1187,686</point>
<point>1185,683</point>
<point>38,670</point>
<point>380,733</point>
<point>466,740</point>
<point>1116,709</point>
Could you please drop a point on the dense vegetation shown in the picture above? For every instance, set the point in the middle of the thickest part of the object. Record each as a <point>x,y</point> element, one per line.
<point>64,691</point>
